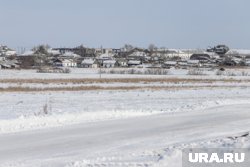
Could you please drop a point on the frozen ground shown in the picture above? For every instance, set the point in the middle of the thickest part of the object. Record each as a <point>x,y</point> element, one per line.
<point>146,126</point>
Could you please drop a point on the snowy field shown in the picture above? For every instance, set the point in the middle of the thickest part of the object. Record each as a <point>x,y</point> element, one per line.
<point>79,119</point>
<point>95,73</point>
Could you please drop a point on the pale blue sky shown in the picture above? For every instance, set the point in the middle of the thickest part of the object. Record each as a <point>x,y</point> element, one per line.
<point>112,23</point>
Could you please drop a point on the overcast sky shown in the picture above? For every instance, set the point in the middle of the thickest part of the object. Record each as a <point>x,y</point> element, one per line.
<point>112,23</point>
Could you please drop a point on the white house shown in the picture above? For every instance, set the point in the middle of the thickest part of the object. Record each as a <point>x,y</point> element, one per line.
<point>89,63</point>
<point>134,63</point>
<point>109,63</point>
<point>170,63</point>
<point>69,63</point>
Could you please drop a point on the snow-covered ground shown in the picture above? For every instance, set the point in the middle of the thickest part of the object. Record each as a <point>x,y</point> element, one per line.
<point>145,126</point>
<point>154,140</point>
<point>95,73</point>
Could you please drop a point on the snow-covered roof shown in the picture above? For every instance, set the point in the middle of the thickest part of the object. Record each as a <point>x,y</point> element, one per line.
<point>53,52</point>
<point>10,52</point>
<point>138,54</point>
<point>67,61</point>
<point>182,63</point>
<point>3,63</point>
<point>193,61</point>
<point>134,62</point>
<point>109,62</point>
<point>105,56</point>
<point>8,63</point>
<point>239,51</point>
<point>28,53</point>
<point>176,51</point>
<point>14,61</point>
<point>71,54</point>
<point>170,62</point>
<point>88,61</point>
<point>248,62</point>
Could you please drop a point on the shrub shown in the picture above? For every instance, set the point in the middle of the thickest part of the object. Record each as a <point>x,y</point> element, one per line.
<point>45,109</point>
<point>231,73</point>
<point>219,72</point>
<point>53,70</point>
<point>244,73</point>
<point>195,72</point>
<point>138,71</point>
<point>66,70</point>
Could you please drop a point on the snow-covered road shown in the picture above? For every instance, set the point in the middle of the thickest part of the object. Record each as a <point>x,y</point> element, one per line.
<point>126,139</point>
<point>127,121</point>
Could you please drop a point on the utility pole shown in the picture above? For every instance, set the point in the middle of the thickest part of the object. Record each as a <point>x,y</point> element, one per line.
<point>100,72</point>
<point>100,67</point>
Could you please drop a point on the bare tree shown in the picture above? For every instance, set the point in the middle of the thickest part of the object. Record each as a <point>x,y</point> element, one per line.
<point>152,47</point>
<point>41,57</point>
<point>41,49</point>
<point>128,47</point>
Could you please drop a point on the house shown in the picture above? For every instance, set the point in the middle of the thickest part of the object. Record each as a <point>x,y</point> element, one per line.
<point>248,63</point>
<point>10,53</point>
<point>89,63</point>
<point>64,50</point>
<point>184,55</point>
<point>122,62</point>
<point>137,54</point>
<point>104,57</point>
<point>100,51</point>
<point>132,63</point>
<point>5,51</point>
<point>4,65</point>
<point>28,59</point>
<point>70,55</point>
<point>109,63</point>
<point>116,51</point>
<point>156,55</point>
<point>152,66</point>
<point>57,63</point>
<point>27,53</point>
<point>169,64</point>
<point>2,58</point>
<point>209,65</point>
<point>182,64</point>
<point>69,63</point>
<point>7,64</point>
<point>193,63</point>
<point>202,57</point>
<point>219,49</point>
<point>53,52</point>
